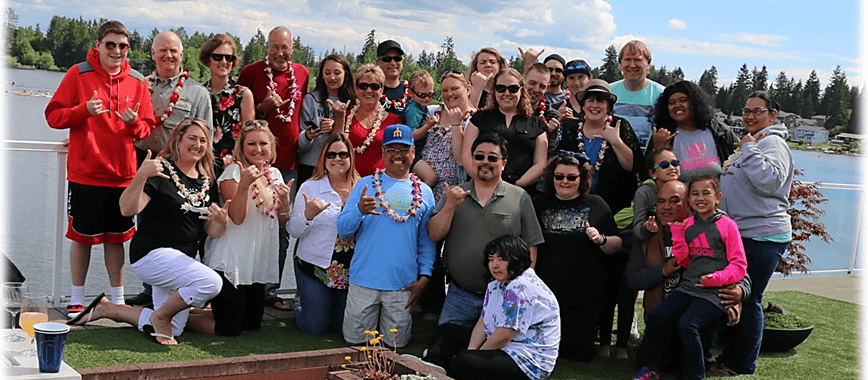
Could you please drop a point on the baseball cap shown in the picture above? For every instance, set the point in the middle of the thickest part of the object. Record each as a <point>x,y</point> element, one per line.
<point>397,134</point>
<point>384,46</point>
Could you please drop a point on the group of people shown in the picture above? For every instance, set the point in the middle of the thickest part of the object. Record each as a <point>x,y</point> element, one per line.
<point>514,191</point>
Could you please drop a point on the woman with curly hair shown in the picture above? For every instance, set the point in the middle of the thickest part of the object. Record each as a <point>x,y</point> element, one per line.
<point>683,119</point>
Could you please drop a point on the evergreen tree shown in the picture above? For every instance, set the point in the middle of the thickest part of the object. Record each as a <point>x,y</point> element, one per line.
<point>856,107</point>
<point>782,90</point>
<point>810,104</point>
<point>369,49</point>
<point>449,60</point>
<point>759,79</point>
<point>676,75</point>
<point>255,49</point>
<point>708,81</point>
<point>836,100</point>
<point>738,93</point>
<point>610,71</point>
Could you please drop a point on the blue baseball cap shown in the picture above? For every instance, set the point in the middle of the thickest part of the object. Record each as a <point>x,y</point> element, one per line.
<point>398,134</point>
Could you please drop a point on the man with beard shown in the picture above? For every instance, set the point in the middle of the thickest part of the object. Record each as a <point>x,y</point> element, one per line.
<point>468,217</point>
<point>278,87</point>
<point>555,94</point>
<point>393,256</point>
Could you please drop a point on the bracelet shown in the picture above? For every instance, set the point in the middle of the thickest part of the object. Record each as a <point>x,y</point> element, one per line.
<point>286,213</point>
<point>605,240</point>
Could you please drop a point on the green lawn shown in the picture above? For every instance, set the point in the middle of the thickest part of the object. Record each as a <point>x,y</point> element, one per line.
<point>831,352</point>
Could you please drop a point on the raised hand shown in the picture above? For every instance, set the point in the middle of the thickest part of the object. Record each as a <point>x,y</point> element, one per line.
<point>455,195</point>
<point>272,101</point>
<point>130,115</point>
<point>430,121</point>
<point>750,138</point>
<point>651,224</point>
<point>552,126</point>
<point>566,112</point>
<point>530,55</point>
<point>662,137</point>
<point>249,175</point>
<point>338,107</point>
<point>326,125</point>
<point>594,234</point>
<point>611,134</point>
<point>313,207</point>
<point>283,190</point>
<point>478,79</point>
<point>151,167</point>
<point>216,213</point>
<point>451,116</point>
<point>94,106</point>
<point>367,204</point>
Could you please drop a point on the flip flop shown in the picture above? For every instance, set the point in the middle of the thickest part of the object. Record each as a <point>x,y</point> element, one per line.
<point>153,335</point>
<point>88,310</point>
<point>274,301</point>
<point>723,370</point>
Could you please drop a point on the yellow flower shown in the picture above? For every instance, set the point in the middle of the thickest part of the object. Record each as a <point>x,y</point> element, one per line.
<point>393,330</point>
<point>373,341</point>
<point>375,332</point>
<point>367,331</point>
<point>363,348</point>
<point>347,358</point>
<point>343,366</point>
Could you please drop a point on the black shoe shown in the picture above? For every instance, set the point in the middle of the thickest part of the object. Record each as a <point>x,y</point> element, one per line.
<point>141,300</point>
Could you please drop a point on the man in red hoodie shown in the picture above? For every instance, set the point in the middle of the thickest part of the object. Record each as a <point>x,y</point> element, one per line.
<point>106,106</point>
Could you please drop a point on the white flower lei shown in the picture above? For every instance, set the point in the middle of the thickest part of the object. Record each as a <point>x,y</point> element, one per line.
<point>414,205</point>
<point>195,199</point>
<point>372,134</point>
<point>603,146</point>
<point>400,102</point>
<point>293,90</point>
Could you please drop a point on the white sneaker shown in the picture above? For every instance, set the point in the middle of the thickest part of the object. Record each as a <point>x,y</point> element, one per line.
<point>634,328</point>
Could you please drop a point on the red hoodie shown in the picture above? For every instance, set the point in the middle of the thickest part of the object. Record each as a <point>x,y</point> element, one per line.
<point>101,150</point>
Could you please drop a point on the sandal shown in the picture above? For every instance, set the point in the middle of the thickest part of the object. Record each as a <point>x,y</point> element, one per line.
<point>723,370</point>
<point>88,310</point>
<point>153,335</point>
<point>277,303</point>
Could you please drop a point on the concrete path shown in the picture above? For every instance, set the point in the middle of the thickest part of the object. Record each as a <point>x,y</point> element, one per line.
<point>840,287</point>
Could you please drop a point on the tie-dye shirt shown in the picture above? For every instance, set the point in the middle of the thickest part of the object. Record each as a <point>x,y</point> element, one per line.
<point>527,306</point>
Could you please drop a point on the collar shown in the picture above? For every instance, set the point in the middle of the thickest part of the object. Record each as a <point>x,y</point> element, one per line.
<point>228,87</point>
<point>172,80</point>
<point>499,191</point>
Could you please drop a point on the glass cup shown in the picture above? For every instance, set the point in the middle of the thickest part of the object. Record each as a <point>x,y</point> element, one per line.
<point>11,296</point>
<point>34,309</point>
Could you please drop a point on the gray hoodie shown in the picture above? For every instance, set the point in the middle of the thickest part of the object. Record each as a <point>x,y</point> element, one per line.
<point>756,186</point>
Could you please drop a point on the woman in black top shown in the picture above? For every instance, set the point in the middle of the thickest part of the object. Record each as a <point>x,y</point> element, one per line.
<point>509,114</point>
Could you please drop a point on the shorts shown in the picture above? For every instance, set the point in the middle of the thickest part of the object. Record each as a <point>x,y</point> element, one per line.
<point>367,309</point>
<point>95,215</point>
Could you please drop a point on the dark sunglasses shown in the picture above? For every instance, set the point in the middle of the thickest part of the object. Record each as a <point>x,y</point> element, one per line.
<point>513,88</point>
<point>481,157</point>
<point>424,95</point>
<point>373,86</point>
<point>222,57</point>
<point>111,45</point>
<point>664,164</point>
<point>332,155</point>
<point>571,178</point>
<point>557,70</point>
<point>390,58</point>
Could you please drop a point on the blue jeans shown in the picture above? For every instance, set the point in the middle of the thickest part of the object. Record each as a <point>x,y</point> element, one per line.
<point>762,259</point>
<point>321,309</point>
<point>462,308</point>
<point>688,314</point>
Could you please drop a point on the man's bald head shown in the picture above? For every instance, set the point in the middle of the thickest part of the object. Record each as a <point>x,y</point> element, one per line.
<point>167,36</point>
<point>672,202</point>
<point>168,53</point>
<point>282,30</point>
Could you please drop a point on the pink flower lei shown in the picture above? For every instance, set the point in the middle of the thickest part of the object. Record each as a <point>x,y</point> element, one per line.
<point>414,205</point>
<point>196,199</point>
<point>271,210</point>
<point>285,117</point>
<point>176,93</point>
<point>542,109</point>
<point>603,146</point>
<point>397,103</point>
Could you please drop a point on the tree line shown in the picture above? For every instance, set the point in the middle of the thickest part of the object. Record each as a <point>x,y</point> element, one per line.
<point>67,42</point>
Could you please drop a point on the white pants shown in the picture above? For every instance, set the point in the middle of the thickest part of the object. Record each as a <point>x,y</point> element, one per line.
<point>169,270</point>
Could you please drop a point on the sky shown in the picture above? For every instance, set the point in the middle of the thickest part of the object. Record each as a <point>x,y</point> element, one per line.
<point>791,36</point>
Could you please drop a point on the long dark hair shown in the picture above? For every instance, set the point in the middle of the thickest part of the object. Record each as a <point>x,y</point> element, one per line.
<point>511,248</point>
<point>700,105</point>
<point>347,92</point>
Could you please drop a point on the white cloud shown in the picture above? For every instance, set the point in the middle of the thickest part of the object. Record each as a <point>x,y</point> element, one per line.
<point>687,46</point>
<point>524,32</point>
<point>761,39</point>
<point>677,24</point>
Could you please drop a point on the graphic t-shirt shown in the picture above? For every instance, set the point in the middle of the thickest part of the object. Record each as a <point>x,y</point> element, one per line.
<point>697,152</point>
<point>636,106</point>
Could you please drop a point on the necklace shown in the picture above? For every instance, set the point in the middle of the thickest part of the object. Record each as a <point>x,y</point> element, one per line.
<point>176,93</point>
<point>580,139</point>
<point>397,103</point>
<point>541,107</point>
<point>196,200</point>
<point>567,94</point>
<point>269,210</point>
<point>414,205</point>
<point>374,128</point>
<point>440,130</point>
<point>285,117</point>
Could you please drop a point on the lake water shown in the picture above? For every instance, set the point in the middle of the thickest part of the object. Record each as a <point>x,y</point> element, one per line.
<point>32,202</point>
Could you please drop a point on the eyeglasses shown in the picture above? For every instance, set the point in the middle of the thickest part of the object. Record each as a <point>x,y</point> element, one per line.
<point>557,70</point>
<point>364,86</point>
<point>576,67</point>
<point>332,155</point>
<point>664,164</point>
<point>396,151</point>
<point>513,88</point>
<point>424,95</point>
<point>481,157</point>
<point>222,57</point>
<point>111,45</point>
<point>755,111</point>
<point>284,48</point>
<point>390,58</point>
<point>571,177</point>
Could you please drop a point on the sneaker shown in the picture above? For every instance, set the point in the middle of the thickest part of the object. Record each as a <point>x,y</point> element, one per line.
<point>73,311</point>
<point>141,299</point>
<point>646,374</point>
<point>634,328</point>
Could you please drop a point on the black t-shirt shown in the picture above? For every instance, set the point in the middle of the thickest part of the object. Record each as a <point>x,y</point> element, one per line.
<point>164,224</point>
<point>520,138</point>
<point>569,262</point>
<point>396,94</point>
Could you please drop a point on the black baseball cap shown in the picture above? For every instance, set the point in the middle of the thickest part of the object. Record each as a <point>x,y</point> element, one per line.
<point>576,66</point>
<point>556,57</point>
<point>384,46</point>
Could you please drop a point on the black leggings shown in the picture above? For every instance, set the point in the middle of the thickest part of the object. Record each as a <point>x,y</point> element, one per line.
<point>485,364</point>
<point>238,308</point>
<point>616,291</point>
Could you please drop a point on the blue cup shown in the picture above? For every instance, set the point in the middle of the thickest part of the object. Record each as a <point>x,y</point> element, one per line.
<point>50,341</point>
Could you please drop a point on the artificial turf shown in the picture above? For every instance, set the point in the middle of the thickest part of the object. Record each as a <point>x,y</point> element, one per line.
<point>831,352</point>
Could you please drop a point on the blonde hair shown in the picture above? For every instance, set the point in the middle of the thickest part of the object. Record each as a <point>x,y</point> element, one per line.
<point>206,163</point>
<point>253,126</point>
<point>369,70</point>
<point>420,78</point>
<point>633,47</point>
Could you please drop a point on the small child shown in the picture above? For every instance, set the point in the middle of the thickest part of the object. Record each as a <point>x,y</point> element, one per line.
<point>709,246</point>
<point>662,167</point>
<point>415,114</point>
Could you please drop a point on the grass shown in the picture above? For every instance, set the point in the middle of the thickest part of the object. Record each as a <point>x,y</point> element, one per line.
<point>831,352</point>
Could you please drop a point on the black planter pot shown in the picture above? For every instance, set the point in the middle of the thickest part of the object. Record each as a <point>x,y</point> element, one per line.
<point>779,340</point>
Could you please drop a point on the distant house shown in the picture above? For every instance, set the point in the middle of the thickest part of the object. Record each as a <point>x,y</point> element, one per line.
<point>845,139</point>
<point>811,135</point>
<point>819,120</point>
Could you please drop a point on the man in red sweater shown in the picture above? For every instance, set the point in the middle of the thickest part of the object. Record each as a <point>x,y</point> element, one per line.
<point>106,106</point>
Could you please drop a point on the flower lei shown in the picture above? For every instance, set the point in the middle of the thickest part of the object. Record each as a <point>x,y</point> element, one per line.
<point>371,135</point>
<point>400,102</point>
<point>541,107</point>
<point>440,131</point>
<point>196,199</point>
<point>581,142</point>
<point>293,91</point>
<point>176,93</point>
<point>567,95</point>
<point>414,205</point>
<point>271,183</point>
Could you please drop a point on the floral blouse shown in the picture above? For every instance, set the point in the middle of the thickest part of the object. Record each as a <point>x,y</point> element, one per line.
<point>227,118</point>
<point>337,275</point>
<point>527,306</point>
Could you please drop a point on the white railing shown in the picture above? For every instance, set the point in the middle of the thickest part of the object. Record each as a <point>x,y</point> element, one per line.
<point>60,217</point>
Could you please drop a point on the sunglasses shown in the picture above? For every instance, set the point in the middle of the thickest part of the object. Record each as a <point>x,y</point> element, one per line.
<point>481,157</point>
<point>664,164</point>
<point>450,71</point>
<point>111,45</point>
<point>424,95</point>
<point>571,178</point>
<point>222,57</point>
<point>502,88</point>
<point>390,58</point>
<point>557,70</point>
<point>332,155</point>
<point>364,86</point>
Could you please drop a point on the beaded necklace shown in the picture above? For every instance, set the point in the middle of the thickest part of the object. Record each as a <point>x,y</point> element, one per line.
<point>414,205</point>
<point>374,128</point>
<point>285,117</point>
<point>541,107</point>
<point>195,200</point>
<point>604,145</point>
<point>176,93</point>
